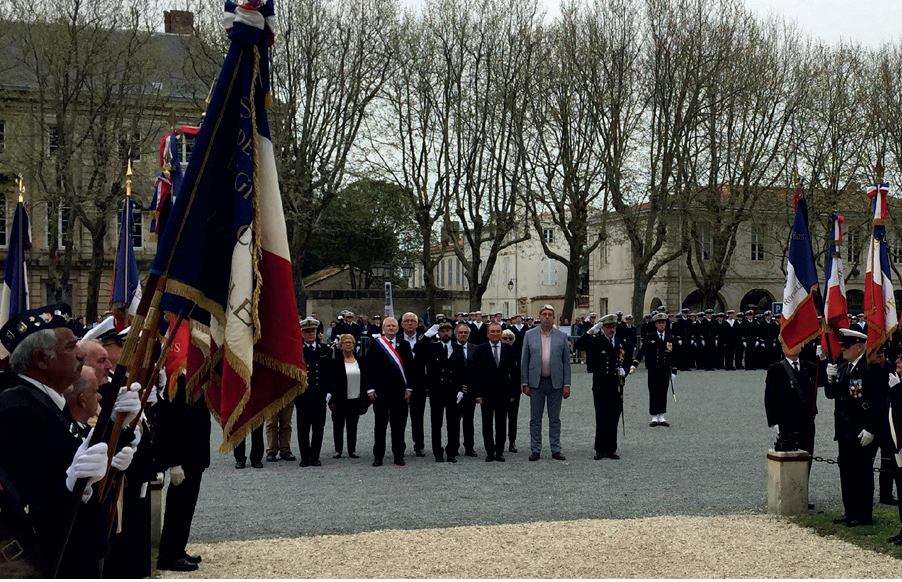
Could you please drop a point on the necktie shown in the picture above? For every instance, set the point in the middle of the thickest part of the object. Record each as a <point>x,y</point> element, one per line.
<point>662,337</point>
<point>497,358</point>
<point>795,366</point>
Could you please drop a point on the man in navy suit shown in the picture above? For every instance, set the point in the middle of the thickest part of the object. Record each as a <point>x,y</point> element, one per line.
<point>493,377</point>
<point>790,398</point>
<point>385,383</point>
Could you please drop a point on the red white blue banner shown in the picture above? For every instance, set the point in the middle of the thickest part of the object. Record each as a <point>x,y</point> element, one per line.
<point>836,310</point>
<point>798,322</point>
<point>879,300</point>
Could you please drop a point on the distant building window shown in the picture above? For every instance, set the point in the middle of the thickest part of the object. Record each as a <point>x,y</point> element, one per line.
<point>137,227</point>
<point>853,239</point>
<point>457,277</point>
<point>548,235</point>
<point>705,242</point>
<point>4,209</point>
<point>2,136</point>
<point>187,147</point>
<point>549,272</point>
<point>757,247</point>
<point>895,248</point>
<point>53,140</point>
<point>63,218</point>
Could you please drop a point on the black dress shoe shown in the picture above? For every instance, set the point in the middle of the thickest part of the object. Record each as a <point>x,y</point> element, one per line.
<point>240,464</point>
<point>337,455</point>
<point>558,456</point>
<point>500,457</point>
<point>598,456</point>
<point>419,453</point>
<point>489,458</point>
<point>896,539</point>
<point>889,501</point>
<point>440,459</point>
<point>256,464</point>
<point>664,423</point>
<point>354,455</point>
<point>810,506</point>
<point>452,459</point>
<point>853,523</point>
<point>840,520</point>
<point>377,463</point>
<point>653,423</point>
<point>287,456</point>
<point>512,449</point>
<point>614,456</point>
<point>180,565</point>
<point>316,463</point>
<point>304,463</point>
<point>471,453</point>
<point>193,559</point>
<point>270,457</point>
<point>399,461</point>
<point>534,456</point>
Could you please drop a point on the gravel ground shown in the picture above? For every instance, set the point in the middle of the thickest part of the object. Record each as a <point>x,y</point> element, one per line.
<point>711,461</point>
<point>739,546</point>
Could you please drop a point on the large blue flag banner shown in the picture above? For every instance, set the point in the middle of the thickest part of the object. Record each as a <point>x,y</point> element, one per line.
<point>126,293</point>
<point>14,294</point>
<point>799,322</point>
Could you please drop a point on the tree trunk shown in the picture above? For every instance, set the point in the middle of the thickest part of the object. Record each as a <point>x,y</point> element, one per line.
<point>640,286</point>
<point>95,271</point>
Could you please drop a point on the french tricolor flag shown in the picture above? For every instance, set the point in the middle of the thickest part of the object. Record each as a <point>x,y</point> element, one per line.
<point>879,301</point>
<point>798,323</point>
<point>836,310</point>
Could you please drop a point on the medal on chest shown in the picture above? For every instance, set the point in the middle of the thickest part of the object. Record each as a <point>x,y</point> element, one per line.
<point>855,388</point>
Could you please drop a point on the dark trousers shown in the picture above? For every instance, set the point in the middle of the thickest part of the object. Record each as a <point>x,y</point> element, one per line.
<point>897,476</point>
<point>658,384</point>
<point>467,410</point>
<point>887,468</point>
<point>256,447</point>
<point>493,432</point>
<point>727,356</point>
<point>129,555</point>
<point>180,503</point>
<point>390,411</point>
<point>607,414</point>
<point>346,412</point>
<point>443,408</point>
<point>418,418</point>
<point>513,411</point>
<point>856,475</point>
<point>311,423</point>
<point>738,353</point>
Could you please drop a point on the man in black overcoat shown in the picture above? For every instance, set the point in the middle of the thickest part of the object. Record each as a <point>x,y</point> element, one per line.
<point>494,377</point>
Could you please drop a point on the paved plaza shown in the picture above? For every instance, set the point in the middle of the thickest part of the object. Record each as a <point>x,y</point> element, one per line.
<point>711,461</point>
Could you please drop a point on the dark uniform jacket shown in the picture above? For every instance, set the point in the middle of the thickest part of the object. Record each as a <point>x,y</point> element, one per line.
<point>183,432</point>
<point>793,407</point>
<point>318,361</point>
<point>658,354</point>
<point>604,357</point>
<point>478,333</point>
<point>855,390</point>
<point>445,376</point>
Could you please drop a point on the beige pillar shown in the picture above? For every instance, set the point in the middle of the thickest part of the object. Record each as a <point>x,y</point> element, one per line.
<point>787,482</point>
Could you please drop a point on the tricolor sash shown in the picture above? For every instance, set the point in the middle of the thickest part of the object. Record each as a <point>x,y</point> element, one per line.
<point>393,355</point>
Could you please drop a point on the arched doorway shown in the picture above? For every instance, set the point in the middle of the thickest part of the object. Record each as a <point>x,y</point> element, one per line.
<point>695,302</point>
<point>758,300</point>
<point>655,303</point>
<point>855,301</point>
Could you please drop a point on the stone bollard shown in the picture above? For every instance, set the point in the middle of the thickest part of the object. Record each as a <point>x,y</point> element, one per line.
<point>156,511</point>
<point>787,482</point>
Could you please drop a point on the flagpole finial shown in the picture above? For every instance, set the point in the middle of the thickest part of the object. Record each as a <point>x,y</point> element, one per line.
<point>796,179</point>
<point>20,182</point>
<point>878,171</point>
<point>172,120</point>
<point>128,180</point>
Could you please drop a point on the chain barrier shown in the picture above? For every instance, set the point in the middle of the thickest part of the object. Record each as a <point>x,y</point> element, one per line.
<point>836,462</point>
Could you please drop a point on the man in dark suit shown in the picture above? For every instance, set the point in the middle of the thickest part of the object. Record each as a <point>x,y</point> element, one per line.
<point>445,369</point>
<point>604,360</point>
<point>467,405</point>
<point>311,405</point>
<point>854,386</point>
<point>493,377</point>
<point>385,383</point>
<point>415,380</point>
<point>657,349</point>
<point>477,329</point>
<point>790,401</point>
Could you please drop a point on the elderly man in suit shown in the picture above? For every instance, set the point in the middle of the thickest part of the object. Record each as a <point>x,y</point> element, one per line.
<point>492,370</point>
<point>790,397</point>
<point>545,376</point>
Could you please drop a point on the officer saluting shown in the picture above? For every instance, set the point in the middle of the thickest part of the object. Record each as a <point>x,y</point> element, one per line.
<point>854,385</point>
<point>658,350</point>
<point>604,360</point>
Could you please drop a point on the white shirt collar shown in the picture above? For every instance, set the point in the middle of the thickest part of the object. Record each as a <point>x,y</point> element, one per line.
<point>55,396</point>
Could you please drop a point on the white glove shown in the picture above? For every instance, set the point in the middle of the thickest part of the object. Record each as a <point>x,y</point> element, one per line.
<point>672,377</point>
<point>776,429</point>
<point>679,342</point>
<point>621,372</point>
<point>328,397</point>
<point>161,378</point>
<point>832,370</point>
<point>460,396</point>
<point>123,458</point>
<point>152,397</point>
<point>595,329</point>
<point>893,380</point>
<point>176,475</point>
<point>820,353</point>
<point>88,462</point>
<point>632,369</point>
<point>432,331</point>
<point>703,343</point>
<point>128,402</point>
<point>716,343</point>
<point>866,438</point>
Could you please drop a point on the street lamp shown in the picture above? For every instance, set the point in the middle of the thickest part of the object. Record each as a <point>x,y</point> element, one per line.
<point>382,271</point>
<point>510,285</point>
<point>407,270</point>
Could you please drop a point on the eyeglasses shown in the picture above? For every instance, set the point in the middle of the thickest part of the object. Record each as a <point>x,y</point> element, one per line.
<point>609,325</point>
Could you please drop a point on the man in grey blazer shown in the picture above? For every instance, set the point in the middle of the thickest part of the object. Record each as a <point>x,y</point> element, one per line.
<point>545,376</point>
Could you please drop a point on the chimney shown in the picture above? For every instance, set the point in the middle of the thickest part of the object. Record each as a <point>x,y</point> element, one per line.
<point>178,21</point>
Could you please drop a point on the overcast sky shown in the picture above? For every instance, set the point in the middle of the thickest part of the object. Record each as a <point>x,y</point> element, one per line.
<point>870,22</point>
